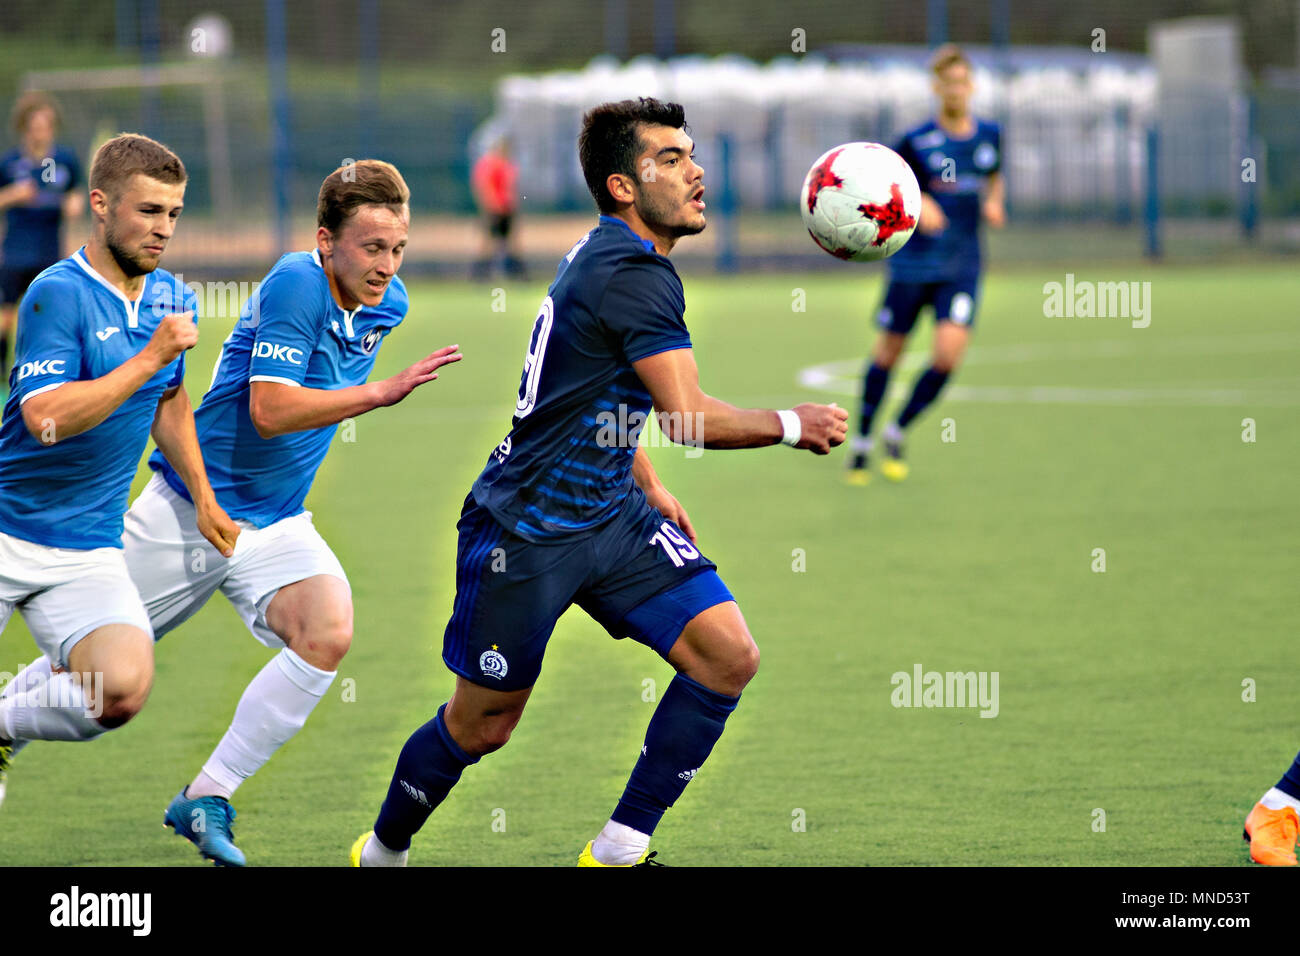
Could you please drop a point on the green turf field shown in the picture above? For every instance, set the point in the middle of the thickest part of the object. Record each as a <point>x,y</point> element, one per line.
<point>1120,691</point>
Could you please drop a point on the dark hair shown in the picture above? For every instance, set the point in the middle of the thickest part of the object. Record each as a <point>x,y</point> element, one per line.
<point>127,154</point>
<point>369,181</point>
<point>611,140</point>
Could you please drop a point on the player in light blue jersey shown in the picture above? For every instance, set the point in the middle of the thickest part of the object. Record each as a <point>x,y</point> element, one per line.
<point>296,364</point>
<point>958,161</point>
<point>99,365</point>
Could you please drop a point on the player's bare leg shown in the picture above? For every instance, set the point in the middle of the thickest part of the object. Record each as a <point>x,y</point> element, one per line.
<point>314,619</point>
<point>884,355</point>
<point>107,681</point>
<point>481,719</point>
<point>887,349</point>
<point>716,650</point>
<point>715,657</point>
<point>950,341</point>
<point>123,655</point>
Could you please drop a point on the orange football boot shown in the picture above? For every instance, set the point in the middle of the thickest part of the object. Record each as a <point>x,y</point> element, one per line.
<point>1272,835</point>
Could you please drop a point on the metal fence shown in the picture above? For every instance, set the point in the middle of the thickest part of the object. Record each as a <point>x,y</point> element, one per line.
<point>266,98</point>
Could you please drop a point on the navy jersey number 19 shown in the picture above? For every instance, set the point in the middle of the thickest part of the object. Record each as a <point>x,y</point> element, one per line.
<point>533,360</point>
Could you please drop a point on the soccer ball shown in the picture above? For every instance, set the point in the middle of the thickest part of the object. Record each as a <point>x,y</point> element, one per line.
<point>860,201</point>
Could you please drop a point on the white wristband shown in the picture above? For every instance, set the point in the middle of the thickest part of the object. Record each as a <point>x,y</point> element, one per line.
<point>793,430</point>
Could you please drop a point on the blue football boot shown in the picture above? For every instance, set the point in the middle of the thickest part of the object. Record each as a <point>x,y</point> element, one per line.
<point>205,822</point>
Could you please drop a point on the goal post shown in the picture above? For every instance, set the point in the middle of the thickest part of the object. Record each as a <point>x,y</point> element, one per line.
<point>208,83</point>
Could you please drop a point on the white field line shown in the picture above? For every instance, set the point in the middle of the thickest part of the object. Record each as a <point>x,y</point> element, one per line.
<point>843,377</point>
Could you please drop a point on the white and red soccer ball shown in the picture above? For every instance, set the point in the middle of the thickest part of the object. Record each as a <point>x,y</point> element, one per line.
<point>860,201</point>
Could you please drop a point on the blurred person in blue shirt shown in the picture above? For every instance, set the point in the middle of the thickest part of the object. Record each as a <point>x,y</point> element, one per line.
<point>39,182</point>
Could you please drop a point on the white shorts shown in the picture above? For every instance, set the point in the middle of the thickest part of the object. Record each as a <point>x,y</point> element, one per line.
<point>177,569</point>
<point>64,593</point>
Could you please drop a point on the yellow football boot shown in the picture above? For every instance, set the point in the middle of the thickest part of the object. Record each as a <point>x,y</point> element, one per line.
<point>354,856</point>
<point>857,473</point>
<point>893,467</point>
<point>586,859</point>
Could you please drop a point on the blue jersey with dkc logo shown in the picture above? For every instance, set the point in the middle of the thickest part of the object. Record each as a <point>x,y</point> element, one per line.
<point>75,326</point>
<point>292,332</point>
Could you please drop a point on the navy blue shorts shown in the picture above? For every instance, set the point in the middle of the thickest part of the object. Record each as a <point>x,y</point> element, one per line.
<point>638,576</point>
<point>953,301</point>
<point>14,281</point>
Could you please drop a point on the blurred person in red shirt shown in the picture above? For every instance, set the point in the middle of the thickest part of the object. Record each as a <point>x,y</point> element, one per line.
<point>493,181</point>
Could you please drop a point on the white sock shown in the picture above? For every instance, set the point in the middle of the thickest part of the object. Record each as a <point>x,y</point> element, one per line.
<point>893,432</point>
<point>274,707</point>
<point>862,443</point>
<point>619,845</point>
<point>375,853</point>
<point>33,675</point>
<point>53,710</point>
<point>1276,799</point>
<point>37,672</point>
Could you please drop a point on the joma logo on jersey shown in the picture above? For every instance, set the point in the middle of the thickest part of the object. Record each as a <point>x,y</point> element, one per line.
<point>277,353</point>
<point>43,367</point>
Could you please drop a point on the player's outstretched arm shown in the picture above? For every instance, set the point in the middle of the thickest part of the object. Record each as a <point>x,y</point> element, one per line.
<point>278,409</point>
<point>173,430</point>
<point>673,380</point>
<point>76,407</point>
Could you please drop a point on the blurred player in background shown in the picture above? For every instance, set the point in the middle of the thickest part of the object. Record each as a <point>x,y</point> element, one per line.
<point>957,160</point>
<point>494,181</point>
<point>95,375</point>
<point>39,182</point>
<point>568,512</point>
<point>1274,822</point>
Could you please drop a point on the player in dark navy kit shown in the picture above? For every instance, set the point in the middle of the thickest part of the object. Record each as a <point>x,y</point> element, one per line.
<point>39,183</point>
<point>957,160</point>
<point>568,509</point>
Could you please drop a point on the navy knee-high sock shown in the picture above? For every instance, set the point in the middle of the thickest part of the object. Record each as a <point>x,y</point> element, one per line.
<point>925,391</point>
<point>428,767</point>
<point>682,732</point>
<point>873,391</point>
<point>1290,782</point>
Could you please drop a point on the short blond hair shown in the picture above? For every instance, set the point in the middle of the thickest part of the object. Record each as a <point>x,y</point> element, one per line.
<point>365,182</point>
<point>129,153</point>
<point>950,54</point>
